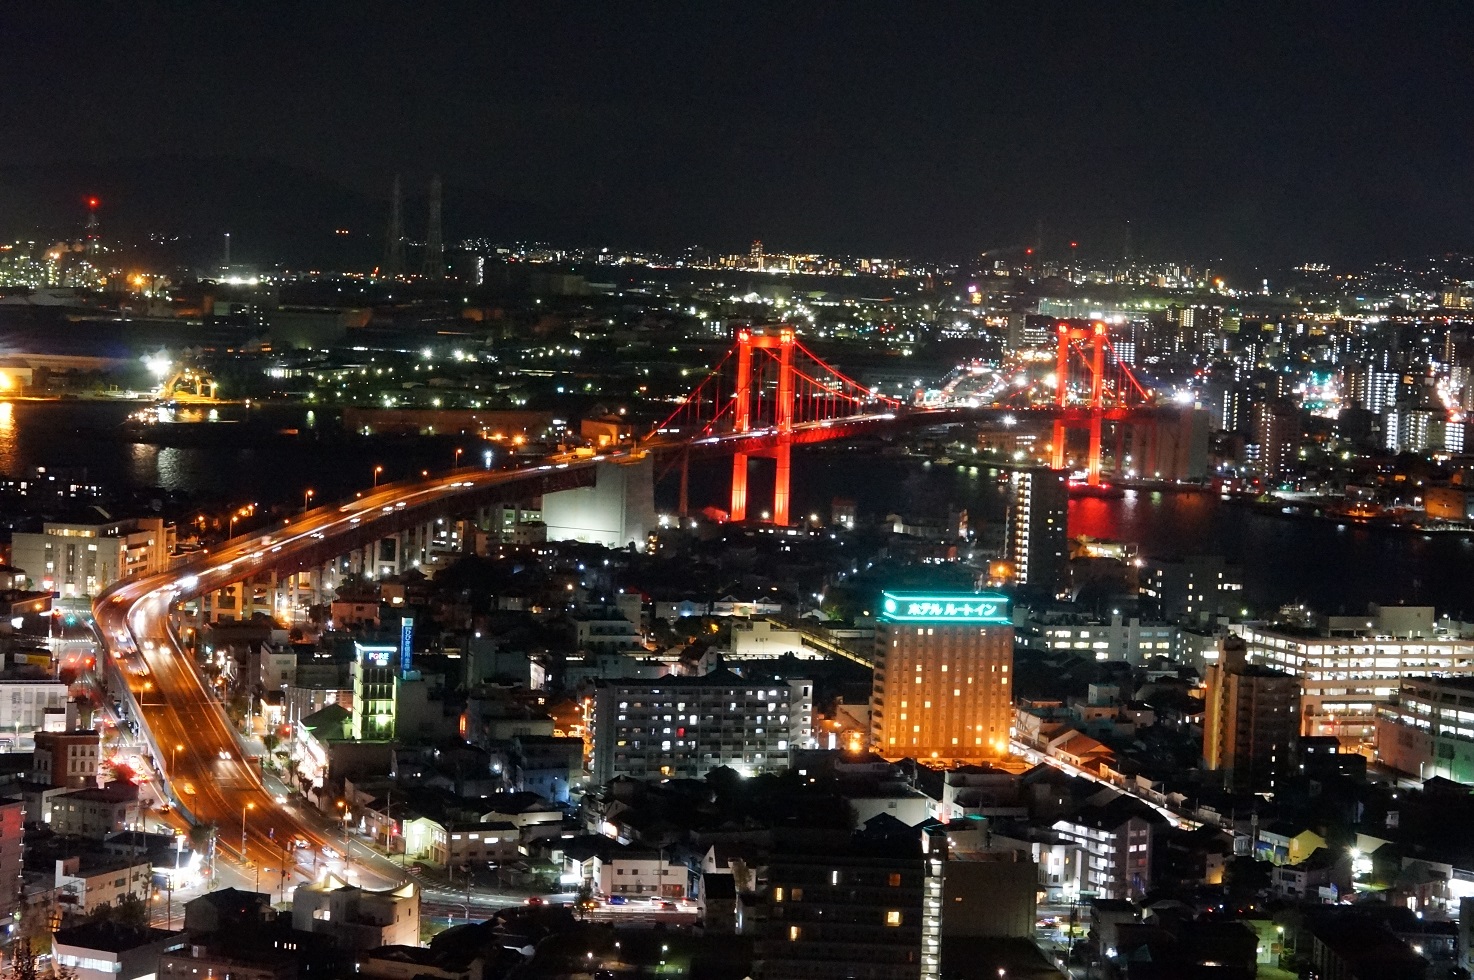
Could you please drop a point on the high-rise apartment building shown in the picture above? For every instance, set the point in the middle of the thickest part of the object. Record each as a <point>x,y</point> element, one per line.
<point>1117,834</point>
<point>1277,436</point>
<point>684,727</point>
<point>912,905</point>
<point>942,691</point>
<point>843,909</point>
<point>1193,589</point>
<point>977,890</point>
<point>1038,543</point>
<point>1251,720</point>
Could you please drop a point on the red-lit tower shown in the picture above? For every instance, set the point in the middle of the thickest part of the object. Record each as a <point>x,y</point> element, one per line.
<point>1089,342</point>
<point>782,450</point>
<point>91,231</point>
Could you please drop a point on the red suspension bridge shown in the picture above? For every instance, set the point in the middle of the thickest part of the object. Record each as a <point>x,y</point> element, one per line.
<point>769,392</point>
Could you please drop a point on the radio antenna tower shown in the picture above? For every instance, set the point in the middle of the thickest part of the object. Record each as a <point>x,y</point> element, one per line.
<point>394,247</point>
<point>91,229</point>
<point>434,242</point>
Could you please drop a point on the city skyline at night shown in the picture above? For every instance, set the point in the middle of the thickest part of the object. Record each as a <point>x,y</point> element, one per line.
<point>898,492</point>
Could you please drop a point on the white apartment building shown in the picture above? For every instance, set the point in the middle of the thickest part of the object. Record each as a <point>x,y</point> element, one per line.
<point>618,869</point>
<point>357,918</point>
<point>1116,836</point>
<point>85,884</point>
<point>1344,678</point>
<point>108,951</point>
<point>1130,640</point>
<point>605,630</point>
<point>28,706</point>
<point>82,559</point>
<point>683,727</point>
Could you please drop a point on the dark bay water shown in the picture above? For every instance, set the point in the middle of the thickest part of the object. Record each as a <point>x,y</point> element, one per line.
<point>271,454</point>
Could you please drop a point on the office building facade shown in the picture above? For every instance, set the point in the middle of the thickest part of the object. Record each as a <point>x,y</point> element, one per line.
<point>1427,729</point>
<point>1344,678</point>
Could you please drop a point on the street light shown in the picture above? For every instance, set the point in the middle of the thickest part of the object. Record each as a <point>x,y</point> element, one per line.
<point>456,463</point>
<point>307,496</point>
<point>377,471</point>
<point>347,844</point>
<point>173,755</point>
<point>244,810</point>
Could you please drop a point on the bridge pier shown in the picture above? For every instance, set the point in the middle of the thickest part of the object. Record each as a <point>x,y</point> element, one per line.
<point>739,487</point>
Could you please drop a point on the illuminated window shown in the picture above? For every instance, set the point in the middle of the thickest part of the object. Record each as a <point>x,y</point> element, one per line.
<point>794,933</point>
<point>894,880</point>
<point>893,917</point>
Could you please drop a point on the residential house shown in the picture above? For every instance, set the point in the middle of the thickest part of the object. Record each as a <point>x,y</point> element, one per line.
<point>357,918</point>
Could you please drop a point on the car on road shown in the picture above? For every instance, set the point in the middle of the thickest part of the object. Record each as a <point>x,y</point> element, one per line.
<point>225,755</point>
<point>666,906</point>
<point>534,900</point>
<point>299,841</point>
<point>330,853</point>
<point>618,900</point>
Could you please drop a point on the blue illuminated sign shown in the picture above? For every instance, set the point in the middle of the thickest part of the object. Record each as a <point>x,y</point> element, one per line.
<point>947,607</point>
<point>406,642</point>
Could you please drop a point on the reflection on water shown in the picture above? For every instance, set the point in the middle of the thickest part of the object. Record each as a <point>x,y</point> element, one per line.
<point>176,469</point>
<point>7,437</point>
<point>143,464</point>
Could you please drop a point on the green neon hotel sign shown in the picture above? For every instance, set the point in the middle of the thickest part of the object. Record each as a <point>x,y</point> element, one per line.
<point>948,607</point>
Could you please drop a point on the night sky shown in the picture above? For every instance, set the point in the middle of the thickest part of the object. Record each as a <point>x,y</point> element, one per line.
<point>1220,131</point>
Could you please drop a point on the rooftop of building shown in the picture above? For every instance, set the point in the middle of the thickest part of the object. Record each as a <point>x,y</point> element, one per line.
<point>234,900</point>
<point>1368,951</point>
<point>421,956</point>
<point>111,937</point>
<point>117,791</point>
<point>722,677</point>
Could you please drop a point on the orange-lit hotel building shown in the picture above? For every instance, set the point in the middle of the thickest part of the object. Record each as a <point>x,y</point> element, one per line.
<point>943,689</point>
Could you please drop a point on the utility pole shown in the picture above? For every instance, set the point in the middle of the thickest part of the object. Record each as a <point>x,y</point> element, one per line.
<point>393,267</point>
<point>434,267</point>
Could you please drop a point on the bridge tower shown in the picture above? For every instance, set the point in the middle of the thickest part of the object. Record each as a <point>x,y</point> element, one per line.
<point>782,451</point>
<point>1097,337</point>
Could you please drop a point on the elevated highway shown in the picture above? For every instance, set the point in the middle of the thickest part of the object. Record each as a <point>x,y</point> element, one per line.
<point>196,746</point>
